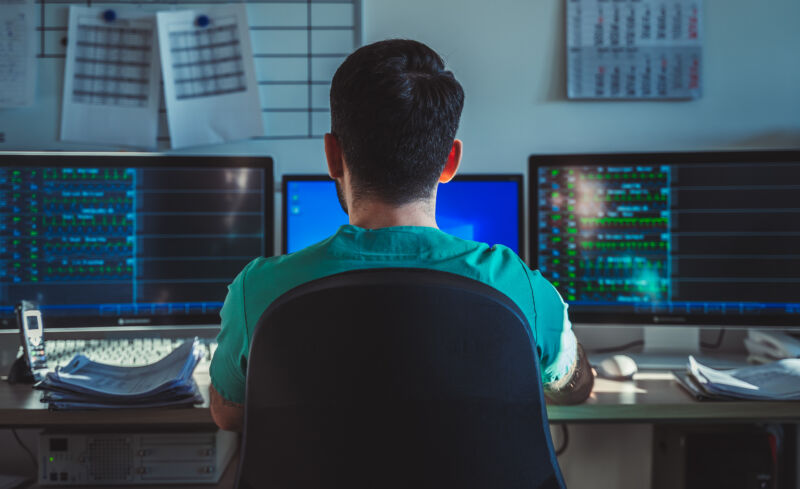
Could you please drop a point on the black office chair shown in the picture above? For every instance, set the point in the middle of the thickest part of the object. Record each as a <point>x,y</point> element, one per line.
<point>395,378</point>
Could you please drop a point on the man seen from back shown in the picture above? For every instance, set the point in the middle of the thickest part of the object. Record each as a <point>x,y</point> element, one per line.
<point>395,111</point>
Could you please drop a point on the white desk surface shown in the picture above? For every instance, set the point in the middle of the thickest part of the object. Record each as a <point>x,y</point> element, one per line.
<point>650,397</point>
<point>654,397</point>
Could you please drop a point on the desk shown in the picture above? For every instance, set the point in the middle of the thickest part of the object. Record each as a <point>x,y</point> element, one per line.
<point>652,397</point>
<point>656,397</point>
<point>20,407</point>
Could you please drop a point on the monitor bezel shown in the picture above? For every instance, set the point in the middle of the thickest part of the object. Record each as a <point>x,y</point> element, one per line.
<point>143,160</point>
<point>517,178</point>
<point>686,158</point>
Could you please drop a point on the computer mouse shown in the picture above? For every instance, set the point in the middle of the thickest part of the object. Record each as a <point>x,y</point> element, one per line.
<point>617,367</point>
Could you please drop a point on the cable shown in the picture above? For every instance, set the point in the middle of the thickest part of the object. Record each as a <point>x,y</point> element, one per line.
<point>717,343</point>
<point>30,453</point>
<point>614,349</point>
<point>565,439</point>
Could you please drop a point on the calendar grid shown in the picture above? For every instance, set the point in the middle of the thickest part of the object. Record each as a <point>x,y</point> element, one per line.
<point>111,66</point>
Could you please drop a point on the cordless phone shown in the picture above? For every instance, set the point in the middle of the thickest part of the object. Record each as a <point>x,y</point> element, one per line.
<point>32,366</point>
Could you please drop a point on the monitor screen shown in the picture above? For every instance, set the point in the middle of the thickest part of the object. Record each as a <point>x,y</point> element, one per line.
<point>101,240</point>
<point>486,208</point>
<point>681,238</point>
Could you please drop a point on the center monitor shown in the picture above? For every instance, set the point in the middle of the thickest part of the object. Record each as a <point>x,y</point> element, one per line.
<point>670,238</point>
<point>486,208</point>
<point>129,240</point>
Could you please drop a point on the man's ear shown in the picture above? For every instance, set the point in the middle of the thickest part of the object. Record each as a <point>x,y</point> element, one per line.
<point>333,153</point>
<point>453,161</point>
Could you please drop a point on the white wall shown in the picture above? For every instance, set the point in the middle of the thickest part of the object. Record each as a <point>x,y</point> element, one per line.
<point>509,56</point>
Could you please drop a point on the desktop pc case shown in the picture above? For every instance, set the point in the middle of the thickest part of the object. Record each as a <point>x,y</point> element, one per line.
<point>85,458</point>
<point>724,456</point>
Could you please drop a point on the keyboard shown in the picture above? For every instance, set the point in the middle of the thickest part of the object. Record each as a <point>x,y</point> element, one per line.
<point>124,352</point>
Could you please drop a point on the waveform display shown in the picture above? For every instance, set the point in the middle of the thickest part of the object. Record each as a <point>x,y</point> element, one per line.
<point>604,232</point>
<point>66,224</point>
<point>95,241</point>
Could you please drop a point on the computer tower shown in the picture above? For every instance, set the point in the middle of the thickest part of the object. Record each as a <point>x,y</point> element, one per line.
<point>704,456</point>
<point>82,458</point>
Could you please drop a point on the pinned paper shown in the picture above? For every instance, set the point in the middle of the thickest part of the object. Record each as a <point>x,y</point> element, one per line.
<point>210,85</point>
<point>111,79</point>
<point>17,53</point>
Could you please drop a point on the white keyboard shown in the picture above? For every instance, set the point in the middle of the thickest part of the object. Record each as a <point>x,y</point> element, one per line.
<point>124,352</point>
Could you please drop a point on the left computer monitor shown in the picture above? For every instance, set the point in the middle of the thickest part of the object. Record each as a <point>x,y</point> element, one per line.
<point>486,208</point>
<point>129,240</point>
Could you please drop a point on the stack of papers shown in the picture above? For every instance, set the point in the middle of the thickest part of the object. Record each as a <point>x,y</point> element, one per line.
<point>85,384</point>
<point>776,381</point>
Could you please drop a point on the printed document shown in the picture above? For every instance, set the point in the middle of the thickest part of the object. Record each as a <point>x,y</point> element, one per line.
<point>210,84</point>
<point>17,53</point>
<point>112,79</point>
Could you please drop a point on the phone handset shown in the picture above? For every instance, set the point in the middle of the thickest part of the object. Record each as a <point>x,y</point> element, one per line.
<point>32,365</point>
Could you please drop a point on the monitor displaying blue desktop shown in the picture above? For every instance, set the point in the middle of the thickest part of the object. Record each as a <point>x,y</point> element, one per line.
<point>670,238</point>
<point>486,208</point>
<point>129,240</point>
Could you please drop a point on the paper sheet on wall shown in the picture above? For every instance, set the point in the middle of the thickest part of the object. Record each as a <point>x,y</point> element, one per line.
<point>111,79</point>
<point>17,53</point>
<point>634,49</point>
<point>210,85</point>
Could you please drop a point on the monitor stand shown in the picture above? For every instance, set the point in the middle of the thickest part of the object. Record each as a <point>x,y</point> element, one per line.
<point>668,348</point>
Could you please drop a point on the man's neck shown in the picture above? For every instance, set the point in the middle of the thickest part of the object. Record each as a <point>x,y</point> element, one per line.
<point>372,214</point>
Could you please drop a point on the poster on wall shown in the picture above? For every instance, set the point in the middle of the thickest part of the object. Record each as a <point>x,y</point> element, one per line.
<point>17,53</point>
<point>634,49</point>
<point>111,78</point>
<point>210,86</point>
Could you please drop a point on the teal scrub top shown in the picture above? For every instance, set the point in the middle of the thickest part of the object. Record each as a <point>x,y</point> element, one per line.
<point>265,279</point>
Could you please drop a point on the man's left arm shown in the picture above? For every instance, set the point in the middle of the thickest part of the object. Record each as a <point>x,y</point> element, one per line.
<point>228,415</point>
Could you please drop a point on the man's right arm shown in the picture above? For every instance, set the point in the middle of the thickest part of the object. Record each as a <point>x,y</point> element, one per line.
<point>227,390</point>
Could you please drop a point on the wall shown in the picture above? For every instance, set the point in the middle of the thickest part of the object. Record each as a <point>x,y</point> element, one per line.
<point>509,55</point>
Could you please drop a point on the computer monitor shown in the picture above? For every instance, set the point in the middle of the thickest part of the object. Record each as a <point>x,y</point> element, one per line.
<point>129,240</point>
<point>670,238</point>
<point>485,208</point>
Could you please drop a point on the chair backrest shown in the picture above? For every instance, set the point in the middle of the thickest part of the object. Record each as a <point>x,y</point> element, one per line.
<point>389,378</point>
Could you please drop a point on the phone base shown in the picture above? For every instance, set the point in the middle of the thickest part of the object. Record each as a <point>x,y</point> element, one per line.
<point>20,372</point>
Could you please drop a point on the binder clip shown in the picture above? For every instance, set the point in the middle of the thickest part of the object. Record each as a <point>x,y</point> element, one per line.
<point>109,15</point>
<point>202,21</point>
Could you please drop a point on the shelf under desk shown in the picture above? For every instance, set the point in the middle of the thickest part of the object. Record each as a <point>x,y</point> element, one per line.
<point>652,397</point>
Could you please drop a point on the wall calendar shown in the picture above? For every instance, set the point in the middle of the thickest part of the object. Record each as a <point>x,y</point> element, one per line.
<point>634,49</point>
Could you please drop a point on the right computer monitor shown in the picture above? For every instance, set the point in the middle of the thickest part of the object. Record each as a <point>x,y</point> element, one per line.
<point>670,238</point>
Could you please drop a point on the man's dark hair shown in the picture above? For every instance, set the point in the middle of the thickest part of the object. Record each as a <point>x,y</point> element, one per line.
<point>395,111</point>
